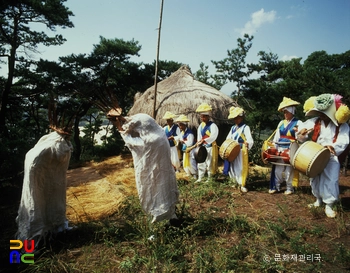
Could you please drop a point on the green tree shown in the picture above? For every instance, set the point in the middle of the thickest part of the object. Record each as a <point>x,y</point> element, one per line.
<point>326,73</point>
<point>203,76</point>
<point>234,68</point>
<point>17,33</point>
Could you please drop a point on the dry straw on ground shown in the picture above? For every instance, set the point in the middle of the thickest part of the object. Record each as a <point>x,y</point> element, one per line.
<point>96,191</point>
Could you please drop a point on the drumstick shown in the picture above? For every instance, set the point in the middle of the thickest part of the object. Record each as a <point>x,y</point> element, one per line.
<point>307,131</point>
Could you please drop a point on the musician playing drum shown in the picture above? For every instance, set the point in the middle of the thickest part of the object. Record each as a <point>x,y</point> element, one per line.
<point>172,132</point>
<point>285,133</point>
<point>187,139</point>
<point>328,128</point>
<point>240,132</point>
<point>207,134</point>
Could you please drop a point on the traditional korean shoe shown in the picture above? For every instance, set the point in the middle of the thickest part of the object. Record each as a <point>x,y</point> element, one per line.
<point>199,180</point>
<point>244,189</point>
<point>330,212</point>
<point>316,204</point>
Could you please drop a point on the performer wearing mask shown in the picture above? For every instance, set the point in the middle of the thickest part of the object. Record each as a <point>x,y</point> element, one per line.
<point>285,134</point>
<point>207,134</point>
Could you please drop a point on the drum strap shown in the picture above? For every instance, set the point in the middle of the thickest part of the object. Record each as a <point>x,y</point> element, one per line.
<point>317,130</point>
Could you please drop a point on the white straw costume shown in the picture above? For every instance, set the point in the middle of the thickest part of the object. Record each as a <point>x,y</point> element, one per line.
<point>42,208</point>
<point>155,176</point>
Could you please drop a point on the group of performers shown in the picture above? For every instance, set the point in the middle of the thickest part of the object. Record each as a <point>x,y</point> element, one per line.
<point>155,164</point>
<point>328,127</point>
<point>178,132</point>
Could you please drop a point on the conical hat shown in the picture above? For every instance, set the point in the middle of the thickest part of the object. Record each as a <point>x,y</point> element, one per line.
<point>204,107</point>
<point>235,112</point>
<point>168,115</point>
<point>324,104</point>
<point>287,102</point>
<point>182,118</point>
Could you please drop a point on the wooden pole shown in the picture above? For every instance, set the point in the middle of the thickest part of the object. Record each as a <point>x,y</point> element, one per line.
<point>157,59</point>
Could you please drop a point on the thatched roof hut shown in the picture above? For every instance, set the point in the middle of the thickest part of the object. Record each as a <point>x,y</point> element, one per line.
<point>182,94</point>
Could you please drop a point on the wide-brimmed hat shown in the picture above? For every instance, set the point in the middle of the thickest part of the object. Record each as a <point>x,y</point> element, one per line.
<point>325,104</point>
<point>204,109</point>
<point>182,119</point>
<point>168,115</point>
<point>287,102</point>
<point>235,112</point>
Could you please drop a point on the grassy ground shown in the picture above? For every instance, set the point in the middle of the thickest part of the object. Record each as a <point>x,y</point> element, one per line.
<point>219,230</point>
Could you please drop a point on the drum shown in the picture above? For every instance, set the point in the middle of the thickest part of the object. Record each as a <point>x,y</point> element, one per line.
<point>229,150</point>
<point>310,158</point>
<point>200,154</point>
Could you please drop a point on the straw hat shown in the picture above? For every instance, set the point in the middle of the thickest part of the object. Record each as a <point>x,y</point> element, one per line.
<point>235,112</point>
<point>204,109</point>
<point>182,119</point>
<point>325,104</point>
<point>168,115</point>
<point>287,102</point>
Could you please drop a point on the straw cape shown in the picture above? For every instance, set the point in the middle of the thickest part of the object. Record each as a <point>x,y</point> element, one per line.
<point>182,94</point>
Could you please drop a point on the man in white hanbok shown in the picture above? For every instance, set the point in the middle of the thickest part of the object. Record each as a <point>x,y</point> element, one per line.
<point>327,131</point>
<point>240,132</point>
<point>187,140</point>
<point>172,132</point>
<point>207,134</point>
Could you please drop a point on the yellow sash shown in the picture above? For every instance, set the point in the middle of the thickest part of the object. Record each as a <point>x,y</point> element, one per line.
<point>214,160</point>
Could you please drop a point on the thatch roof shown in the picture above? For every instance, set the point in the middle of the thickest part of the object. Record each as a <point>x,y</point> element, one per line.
<point>182,94</point>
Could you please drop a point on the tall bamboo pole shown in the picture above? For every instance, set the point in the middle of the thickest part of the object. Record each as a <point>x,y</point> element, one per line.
<point>157,59</point>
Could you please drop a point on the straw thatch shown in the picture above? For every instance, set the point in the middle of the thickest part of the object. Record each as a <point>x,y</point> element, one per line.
<point>182,94</point>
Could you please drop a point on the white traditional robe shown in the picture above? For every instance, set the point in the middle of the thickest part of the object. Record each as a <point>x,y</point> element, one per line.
<point>42,208</point>
<point>155,176</point>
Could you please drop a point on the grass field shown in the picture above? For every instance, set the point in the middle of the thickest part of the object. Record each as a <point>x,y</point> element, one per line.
<point>219,230</point>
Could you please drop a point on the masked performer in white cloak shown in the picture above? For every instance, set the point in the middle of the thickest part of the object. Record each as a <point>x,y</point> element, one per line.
<point>155,176</point>
<point>187,140</point>
<point>330,130</point>
<point>240,132</point>
<point>207,134</point>
<point>172,132</point>
<point>42,209</point>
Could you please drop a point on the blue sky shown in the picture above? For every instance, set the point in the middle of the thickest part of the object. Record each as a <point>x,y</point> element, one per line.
<point>195,31</point>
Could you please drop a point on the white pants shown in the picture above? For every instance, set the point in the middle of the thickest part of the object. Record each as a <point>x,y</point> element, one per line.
<point>325,186</point>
